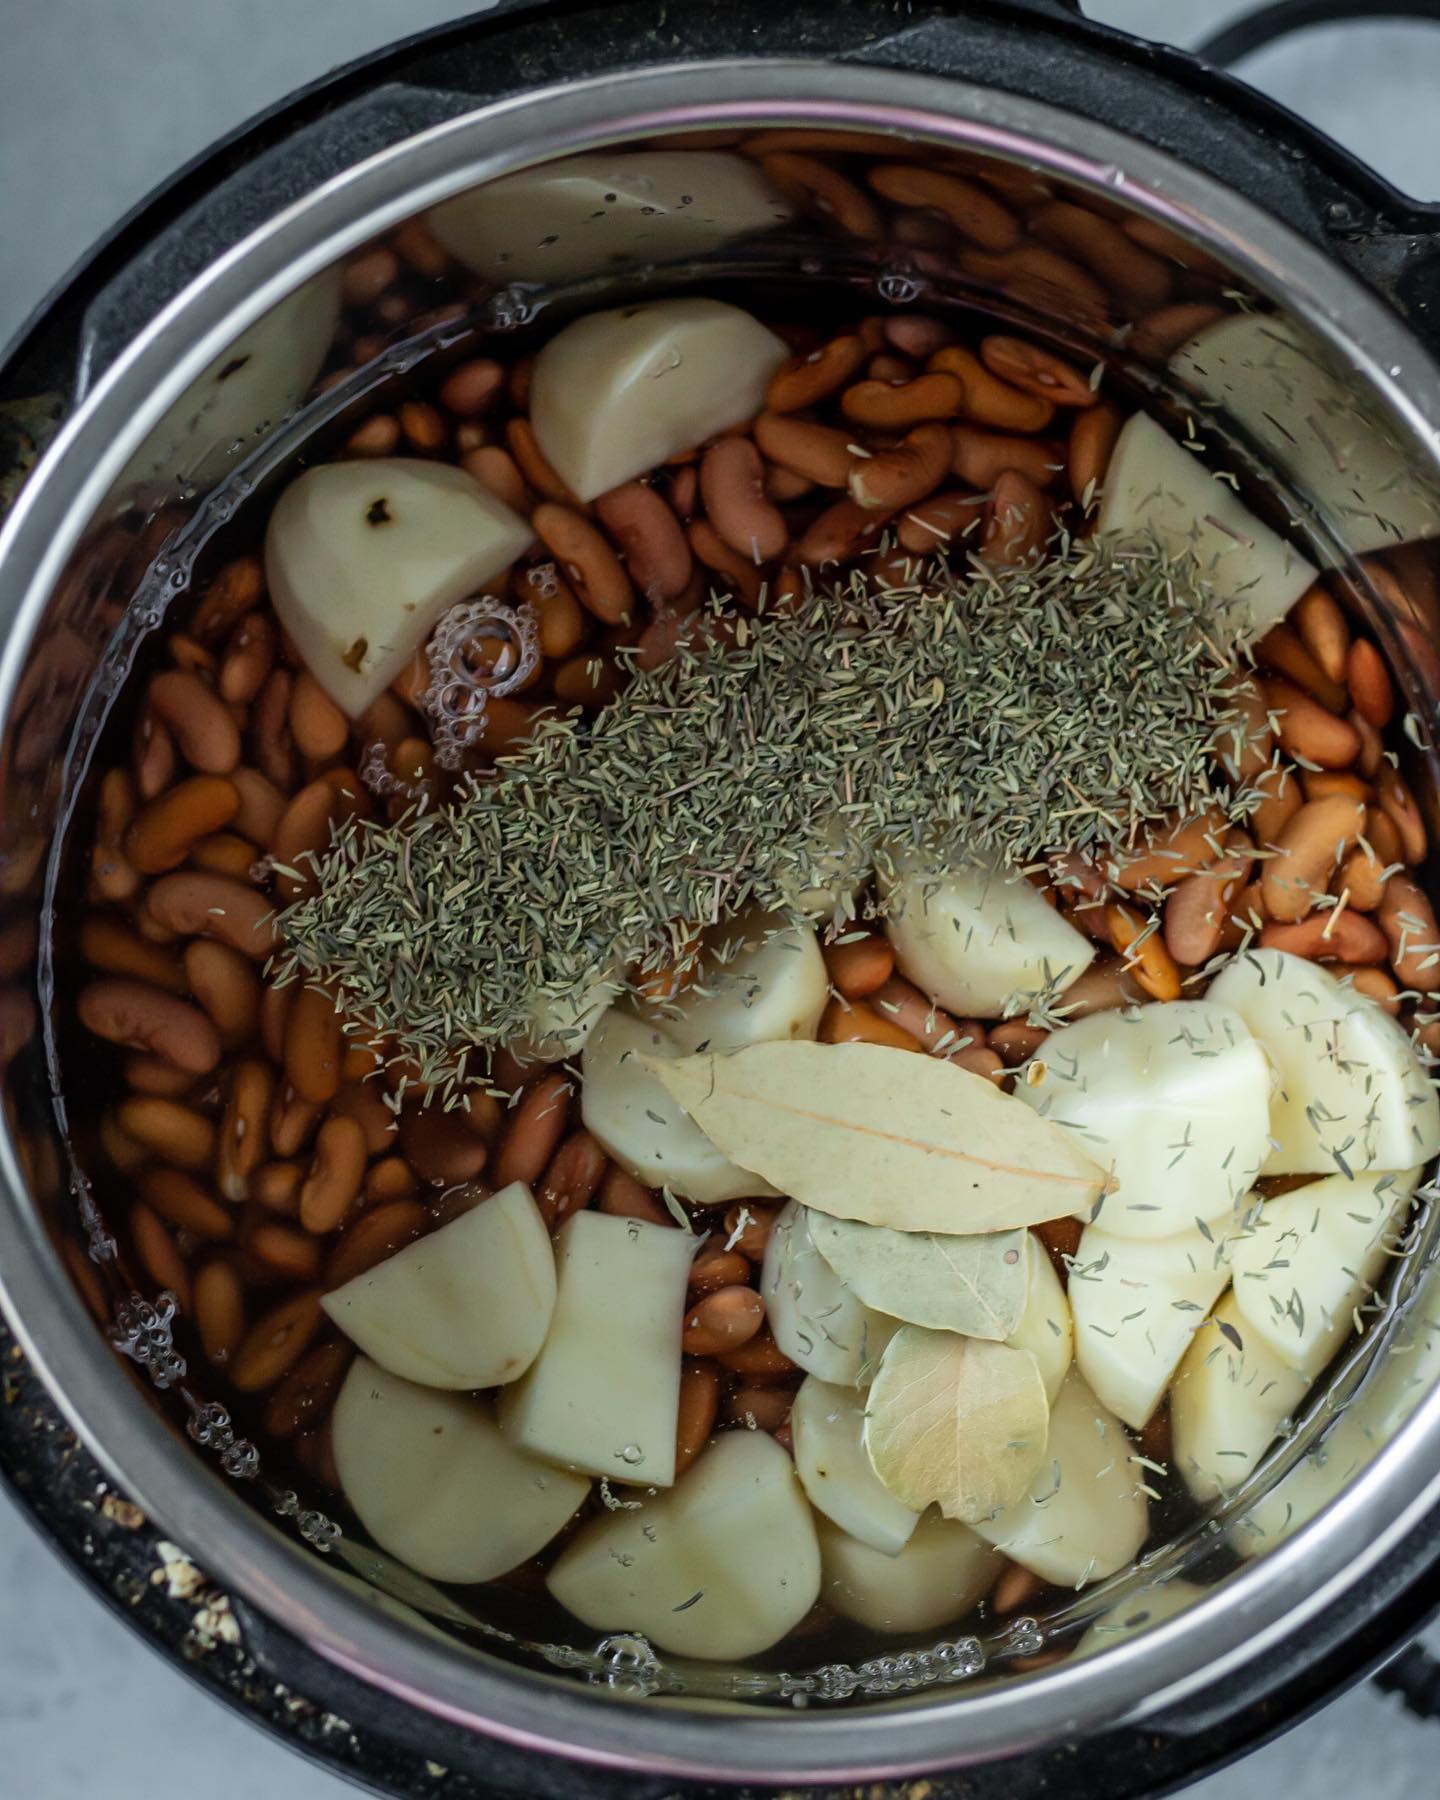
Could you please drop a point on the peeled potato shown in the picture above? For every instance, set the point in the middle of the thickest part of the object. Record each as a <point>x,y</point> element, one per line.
<point>972,938</point>
<point>1229,1397</point>
<point>1045,1330</point>
<point>722,1566</point>
<point>1316,422</point>
<point>637,1122</point>
<point>615,393</point>
<point>561,1024</point>
<point>1348,1090</point>
<point>1311,1257</point>
<point>1151,1606</point>
<point>1137,1303</point>
<point>943,1570</point>
<point>1085,1515</point>
<point>759,983</point>
<point>1408,1371</point>
<point>835,1472</point>
<point>604,1393</point>
<point>363,558</point>
<point>435,1483</point>
<point>1171,1098</point>
<point>590,214</point>
<point>1156,489</point>
<point>466,1307</point>
<point>814,1318</point>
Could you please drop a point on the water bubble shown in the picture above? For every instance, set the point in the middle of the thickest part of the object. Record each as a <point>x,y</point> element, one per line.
<point>897,287</point>
<point>632,1454</point>
<point>508,309</point>
<point>480,648</point>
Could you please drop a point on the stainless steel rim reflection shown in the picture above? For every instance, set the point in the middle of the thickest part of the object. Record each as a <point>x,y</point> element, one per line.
<point>1254,1609</point>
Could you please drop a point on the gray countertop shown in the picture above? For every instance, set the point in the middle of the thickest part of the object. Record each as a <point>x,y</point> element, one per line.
<point>98,101</point>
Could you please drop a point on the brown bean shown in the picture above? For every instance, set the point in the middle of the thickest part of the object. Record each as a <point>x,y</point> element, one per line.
<point>1307,731</point>
<point>561,617</point>
<point>261,806</point>
<point>219,1306</point>
<point>975,214</point>
<point>391,1178</point>
<point>226,986</point>
<point>1308,852</point>
<point>1014,1042</point>
<point>1281,800</point>
<point>441,1147</point>
<point>760,1408</point>
<point>1369,682</point>
<point>1145,954</point>
<point>303,833</point>
<point>182,1201</point>
<point>1320,623</point>
<point>1362,874</point>
<point>916,1013</point>
<point>496,471</point>
<point>225,853</point>
<point>270,741</point>
<point>916,336</point>
<point>165,828</point>
<point>235,591</point>
<point>1398,805</point>
<point>748,1225</point>
<point>1104,987</point>
<point>249,658</point>
<point>276,1187</point>
<point>819,453</point>
<point>1140,278</point>
<point>722,1321</point>
<point>822,187</point>
<point>197,719</point>
<point>153,756</point>
<point>156,1249</point>
<point>760,1360</point>
<point>839,533</point>
<point>176,1134</point>
<point>275,1004</point>
<point>1331,936</point>
<point>153,1075</point>
<point>1092,443</point>
<point>1283,650</point>
<point>1021,364</point>
<point>142,1017</point>
<point>853,1022</point>
<point>656,551</point>
<point>892,480</point>
<point>699,1404</point>
<point>276,1342</point>
<point>858,965</point>
<point>536,1124</point>
<point>319,729</point>
<point>1376,985</point>
<point>533,464</point>
<point>109,944</point>
<point>423,425</point>
<point>244,1127</point>
<point>988,400</point>
<point>110,872</point>
<point>364,1102</point>
<point>1016,1587</point>
<point>290,1254</point>
<point>1407,919</point>
<point>368,275</point>
<point>1196,909</point>
<point>623,1197</point>
<point>194,904</point>
<point>572,1178</point>
<point>980,457</point>
<point>472,388</point>
<point>587,562</point>
<point>1320,783</point>
<point>304,1397</point>
<point>803,381</point>
<point>936,522</point>
<point>373,1238</point>
<point>1171,855</point>
<point>379,435</point>
<point>716,1269</point>
<point>732,488</point>
<point>332,1185</point>
<point>313,1046</point>
<point>1017,523</point>
<point>1160,334</point>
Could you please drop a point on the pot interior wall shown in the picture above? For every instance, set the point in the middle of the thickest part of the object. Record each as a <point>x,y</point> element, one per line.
<point>800,224</point>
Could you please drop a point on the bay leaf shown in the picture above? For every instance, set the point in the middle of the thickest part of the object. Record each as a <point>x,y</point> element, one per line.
<point>957,1422</point>
<point>862,1131</point>
<point>975,1285</point>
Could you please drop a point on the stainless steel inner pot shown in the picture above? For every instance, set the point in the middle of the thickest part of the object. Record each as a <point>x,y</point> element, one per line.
<point>135,463</point>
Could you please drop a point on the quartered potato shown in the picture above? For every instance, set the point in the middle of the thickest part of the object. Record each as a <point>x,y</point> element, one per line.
<point>971,938</point>
<point>815,1319</point>
<point>1309,1258</point>
<point>943,1570</point>
<point>721,1566</point>
<point>835,1472</point>
<point>467,1306</point>
<point>603,1394</point>
<point>434,1481</point>
<point>1045,1329</point>
<point>774,988</point>
<point>1151,1606</point>
<point>589,214</point>
<point>1171,1098</point>
<point>1314,424</point>
<point>1348,1090</point>
<point>1156,489</point>
<point>615,393</point>
<point>1085,1515</point>
<point>1230,1396</point>
<point>1137,1303</point>
<point>363,558</point>
<point>1407,1372</point>
<point>562,1023</point>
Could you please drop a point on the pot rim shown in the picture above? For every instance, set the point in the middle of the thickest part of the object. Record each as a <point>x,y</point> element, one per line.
<point>1264,1601</point>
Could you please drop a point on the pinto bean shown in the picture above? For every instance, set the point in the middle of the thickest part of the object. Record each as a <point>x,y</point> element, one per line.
<point>1309,851</point>
<point>332,1185</point>
<point>981,457</point>
<point>142,1017</point>
<point>732,487</point>
<point>916,1013</point>
<point>853,1022</point>
<point>219,1308</point>
<point>1398,805</point>
<point>441,1148</point>
<point>497,471</point>
<point>1026,366</point>
<point>473,387</point>
<point>716,1269</point>
<point>699,1404</point>
<point>655,547</point>
<point>162,833</point>
<point>197,719</point>
<point>748,1225</point>
<point>1138,276</point>
<point>820,453</point>
<point>261,806</point>
<point>623,1197</point>
<point>891,480</point>
<point>243,1140</point>
<point>839,534</point>
<point>272,746</point>
<point>317,725</point>
<point>276,1341</point>
<point>722,1321</point>
<point>895,406</point>
<point>821,186</point>
<point>1145,954</point>
<point>176,1134</point>
<point>572,1178</point>
<point>111,874</point>
<point>1321,626</point>
<point>975,214</point>
<point>1333,936</point>
<point>1283,650</point>
<point>536,1125</point>
<point>235,591</point>
<point>1369,682</point>
<point>858,965</point>
<point>152,755</point>
<point>1017,522</point>
<point>803,381</point>
<point>1171,855</point>
<point>939,521</point>
<point>194,904</point>
<point>181,1201</point>
<point>153,1075</point>
<point>313,1046</point>
<point>1197,907</point>
<point>587,561</point>
<point>109,944</point>
<point>1307,731</point>
<point>1092,443</point>
<point>1160,334</point>
<point>988,400</point>
<point>1407,919</point>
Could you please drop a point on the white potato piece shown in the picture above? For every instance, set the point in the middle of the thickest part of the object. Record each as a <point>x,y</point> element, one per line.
<point>615,393</point>
<point>1348,1090</point>
<point>466,1307</point>
<point>1137,1303</point>
<point>1085,1515</point>
<point>1172,1098</point>
<point>761,982</point>
<point>638,1123</point>
<point>1230,1396</point>
<point>1309,1258</point>
<point>942,1572</point>
<point>434,1482</point>
<point>722,1566</point>
<point>1408,1371</point>
<point>604,1393</point>
<point>561,1024</point>
<point>815,1319</point>
<point>827,871</point>
<point>1156,489</point>
<point>1151,1606</point>
<point>827,1422</point>
<point>590,214</point>
<point>1046,1330</point>
<point>972,938</point>
<point>363,558</point>
<point>1316,425</point>
<point>249,388</point>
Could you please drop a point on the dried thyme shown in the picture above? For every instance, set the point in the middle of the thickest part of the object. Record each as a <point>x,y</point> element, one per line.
<point>993,715</point>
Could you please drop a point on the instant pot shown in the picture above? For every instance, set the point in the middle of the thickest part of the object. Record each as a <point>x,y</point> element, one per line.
<point>160,390</point>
